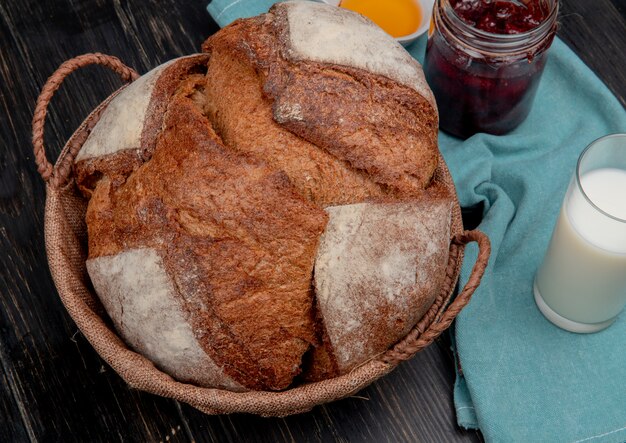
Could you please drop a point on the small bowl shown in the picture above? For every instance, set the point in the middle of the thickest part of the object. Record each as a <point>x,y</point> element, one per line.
<point>427,9</point>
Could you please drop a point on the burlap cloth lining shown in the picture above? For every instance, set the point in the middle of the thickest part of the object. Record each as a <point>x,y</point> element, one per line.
<point>66,245</point>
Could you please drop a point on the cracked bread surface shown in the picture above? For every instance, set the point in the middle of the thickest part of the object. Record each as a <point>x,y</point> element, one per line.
<point>236,240</point>
<point>369,127</point>
<point>223,195</point>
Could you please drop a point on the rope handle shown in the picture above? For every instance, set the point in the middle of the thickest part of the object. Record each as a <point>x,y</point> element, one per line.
<point>405,350</point>
<point>56,175</point>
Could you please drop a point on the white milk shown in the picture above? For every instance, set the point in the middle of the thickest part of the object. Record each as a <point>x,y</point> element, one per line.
<point>583,276</point>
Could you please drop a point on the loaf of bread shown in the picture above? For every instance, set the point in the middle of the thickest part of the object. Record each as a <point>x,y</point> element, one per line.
<point>326,96</point>
<point>268,212</point>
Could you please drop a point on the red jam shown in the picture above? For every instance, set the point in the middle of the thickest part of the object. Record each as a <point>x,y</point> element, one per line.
<point>501,17</point>
<point>480,87</point>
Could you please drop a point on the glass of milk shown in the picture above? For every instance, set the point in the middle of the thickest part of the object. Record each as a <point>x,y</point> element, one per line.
<point>581,285</point>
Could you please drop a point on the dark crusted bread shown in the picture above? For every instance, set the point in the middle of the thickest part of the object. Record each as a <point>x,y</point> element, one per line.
<point>125,136</point>
<point>233,244</point>
<point>340,107</point>
<point>212,180</point>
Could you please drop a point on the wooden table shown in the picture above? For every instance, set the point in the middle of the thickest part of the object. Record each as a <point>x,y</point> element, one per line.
<point>53,386</point>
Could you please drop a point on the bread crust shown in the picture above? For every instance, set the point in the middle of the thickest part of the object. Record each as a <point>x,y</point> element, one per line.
<point>223,190</point>
<point>243,118</point>
<point>97,158</point>
<point>376,274</point>
<point>374,127</point>
<point>142,302</point>
<point>236,239</point>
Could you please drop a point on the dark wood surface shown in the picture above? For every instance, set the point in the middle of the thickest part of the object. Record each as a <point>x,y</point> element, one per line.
<point>53,386</point>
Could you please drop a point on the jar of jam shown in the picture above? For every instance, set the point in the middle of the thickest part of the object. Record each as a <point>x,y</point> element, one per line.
<point>484,60</point>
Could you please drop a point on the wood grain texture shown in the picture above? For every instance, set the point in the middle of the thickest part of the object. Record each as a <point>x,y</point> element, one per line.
<point>412,403</point>
<point>53,386</point>
<point>596,31</point>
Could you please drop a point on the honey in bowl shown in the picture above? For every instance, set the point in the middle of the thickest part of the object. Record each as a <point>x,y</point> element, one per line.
<point>397,17</point>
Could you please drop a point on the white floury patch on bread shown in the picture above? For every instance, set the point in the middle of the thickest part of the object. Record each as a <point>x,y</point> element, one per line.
<point>378,269</point>
<point>122,122</point>
<point>288,112</point>
<point>141,300</point>
<point>327,34</point>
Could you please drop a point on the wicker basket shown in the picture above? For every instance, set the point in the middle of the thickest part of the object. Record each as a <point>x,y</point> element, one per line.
<point>66,240</point>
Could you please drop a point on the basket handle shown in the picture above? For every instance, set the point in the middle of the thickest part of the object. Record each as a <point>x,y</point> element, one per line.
<point>404,351</point>
<point>56,175</point>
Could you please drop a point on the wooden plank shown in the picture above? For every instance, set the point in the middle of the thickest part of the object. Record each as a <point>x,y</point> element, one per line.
<point>13,426</point>
<point>596,31</point>
<point>54,386</point>
<point>413,403</point>
<point>620,7</point>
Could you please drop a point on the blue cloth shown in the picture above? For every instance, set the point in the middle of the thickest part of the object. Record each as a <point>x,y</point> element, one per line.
<point>523,378</point>
<point>227,11</point>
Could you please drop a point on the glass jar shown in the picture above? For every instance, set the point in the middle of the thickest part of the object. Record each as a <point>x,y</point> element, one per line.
<point>483,81</point>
